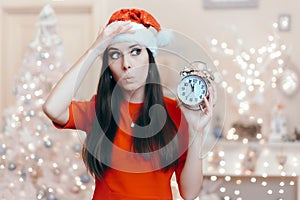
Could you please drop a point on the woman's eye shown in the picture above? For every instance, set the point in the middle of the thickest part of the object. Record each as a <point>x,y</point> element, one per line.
<point>115,55</point>
<point>136,51</point>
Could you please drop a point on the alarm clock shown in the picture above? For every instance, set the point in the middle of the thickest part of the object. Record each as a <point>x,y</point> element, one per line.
<point>193,87</point>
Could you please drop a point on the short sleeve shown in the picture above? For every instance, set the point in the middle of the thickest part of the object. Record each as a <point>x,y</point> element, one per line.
<point>81,115</point>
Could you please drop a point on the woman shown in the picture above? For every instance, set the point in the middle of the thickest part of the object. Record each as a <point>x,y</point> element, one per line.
<point>136,137</point>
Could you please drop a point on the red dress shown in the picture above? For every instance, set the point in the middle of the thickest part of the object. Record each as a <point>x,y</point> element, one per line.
<point>130,177</point>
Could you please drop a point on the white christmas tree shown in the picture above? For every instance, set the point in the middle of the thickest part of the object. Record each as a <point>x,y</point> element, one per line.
<point>38,161</point>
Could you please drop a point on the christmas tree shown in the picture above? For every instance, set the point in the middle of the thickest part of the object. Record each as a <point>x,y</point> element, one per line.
<point>38,161</point>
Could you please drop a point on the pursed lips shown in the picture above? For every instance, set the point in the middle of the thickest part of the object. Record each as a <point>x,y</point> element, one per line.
<point>128,77</point>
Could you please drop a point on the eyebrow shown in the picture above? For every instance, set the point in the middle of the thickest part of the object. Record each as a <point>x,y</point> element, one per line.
<point>134,45</point>
<point>131,46</point>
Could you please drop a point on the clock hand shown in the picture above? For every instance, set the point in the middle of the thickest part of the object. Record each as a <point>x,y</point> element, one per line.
<point>192,85</point>
<point>188,94</point>
<point>190,91</point>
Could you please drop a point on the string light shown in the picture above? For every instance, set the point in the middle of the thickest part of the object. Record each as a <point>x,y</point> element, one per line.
<point>252,72</point>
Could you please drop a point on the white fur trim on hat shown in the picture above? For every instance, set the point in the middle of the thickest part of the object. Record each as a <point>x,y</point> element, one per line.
<point>148,37</point>
<point>164,37</point>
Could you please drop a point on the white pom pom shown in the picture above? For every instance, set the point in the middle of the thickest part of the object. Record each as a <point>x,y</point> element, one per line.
<point>164,37</point>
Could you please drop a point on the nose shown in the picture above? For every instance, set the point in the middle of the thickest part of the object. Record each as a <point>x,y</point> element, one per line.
<point>126,63</point>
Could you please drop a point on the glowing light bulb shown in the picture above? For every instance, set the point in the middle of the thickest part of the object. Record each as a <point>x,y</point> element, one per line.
<point>253,180</point>
<point>222,189</point>
<point>214,42</point>
<point>227,178</point>
<point>264,183</point>
<point>213,178</point>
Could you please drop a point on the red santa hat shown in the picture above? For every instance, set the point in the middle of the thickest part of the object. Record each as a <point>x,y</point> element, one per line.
<point>147,31</point>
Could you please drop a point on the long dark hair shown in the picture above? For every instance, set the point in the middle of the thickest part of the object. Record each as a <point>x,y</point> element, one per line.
<point>97,150</point>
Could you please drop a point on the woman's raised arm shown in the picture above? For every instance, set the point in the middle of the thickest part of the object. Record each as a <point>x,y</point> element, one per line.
<point>56,106</point>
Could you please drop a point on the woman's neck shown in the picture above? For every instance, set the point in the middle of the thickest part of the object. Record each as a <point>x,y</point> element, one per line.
<point>136,96</point>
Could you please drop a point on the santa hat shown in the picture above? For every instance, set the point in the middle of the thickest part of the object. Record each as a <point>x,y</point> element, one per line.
<point>147,31</point>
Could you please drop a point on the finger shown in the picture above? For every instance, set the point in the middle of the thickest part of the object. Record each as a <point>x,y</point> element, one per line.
<point>124,29</point>
<point>101,29</point>
<point>111,29</point>
<point>201,108</point>
<point>207,106</point>
<point>211,97</point>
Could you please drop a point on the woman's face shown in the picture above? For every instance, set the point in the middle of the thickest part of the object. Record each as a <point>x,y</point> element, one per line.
<point>129,64</point>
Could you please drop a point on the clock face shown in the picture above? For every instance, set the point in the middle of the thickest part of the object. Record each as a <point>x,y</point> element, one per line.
<point>191,90</point>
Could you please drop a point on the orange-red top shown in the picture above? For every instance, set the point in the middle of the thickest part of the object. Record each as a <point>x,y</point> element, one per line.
<point>130,177</point>
<point>135,15</point>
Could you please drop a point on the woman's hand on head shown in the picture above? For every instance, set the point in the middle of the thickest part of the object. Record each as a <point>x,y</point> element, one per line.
<point>106,34</point>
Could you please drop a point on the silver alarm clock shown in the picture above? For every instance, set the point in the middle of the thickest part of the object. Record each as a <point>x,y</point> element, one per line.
<point>193,87</point>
